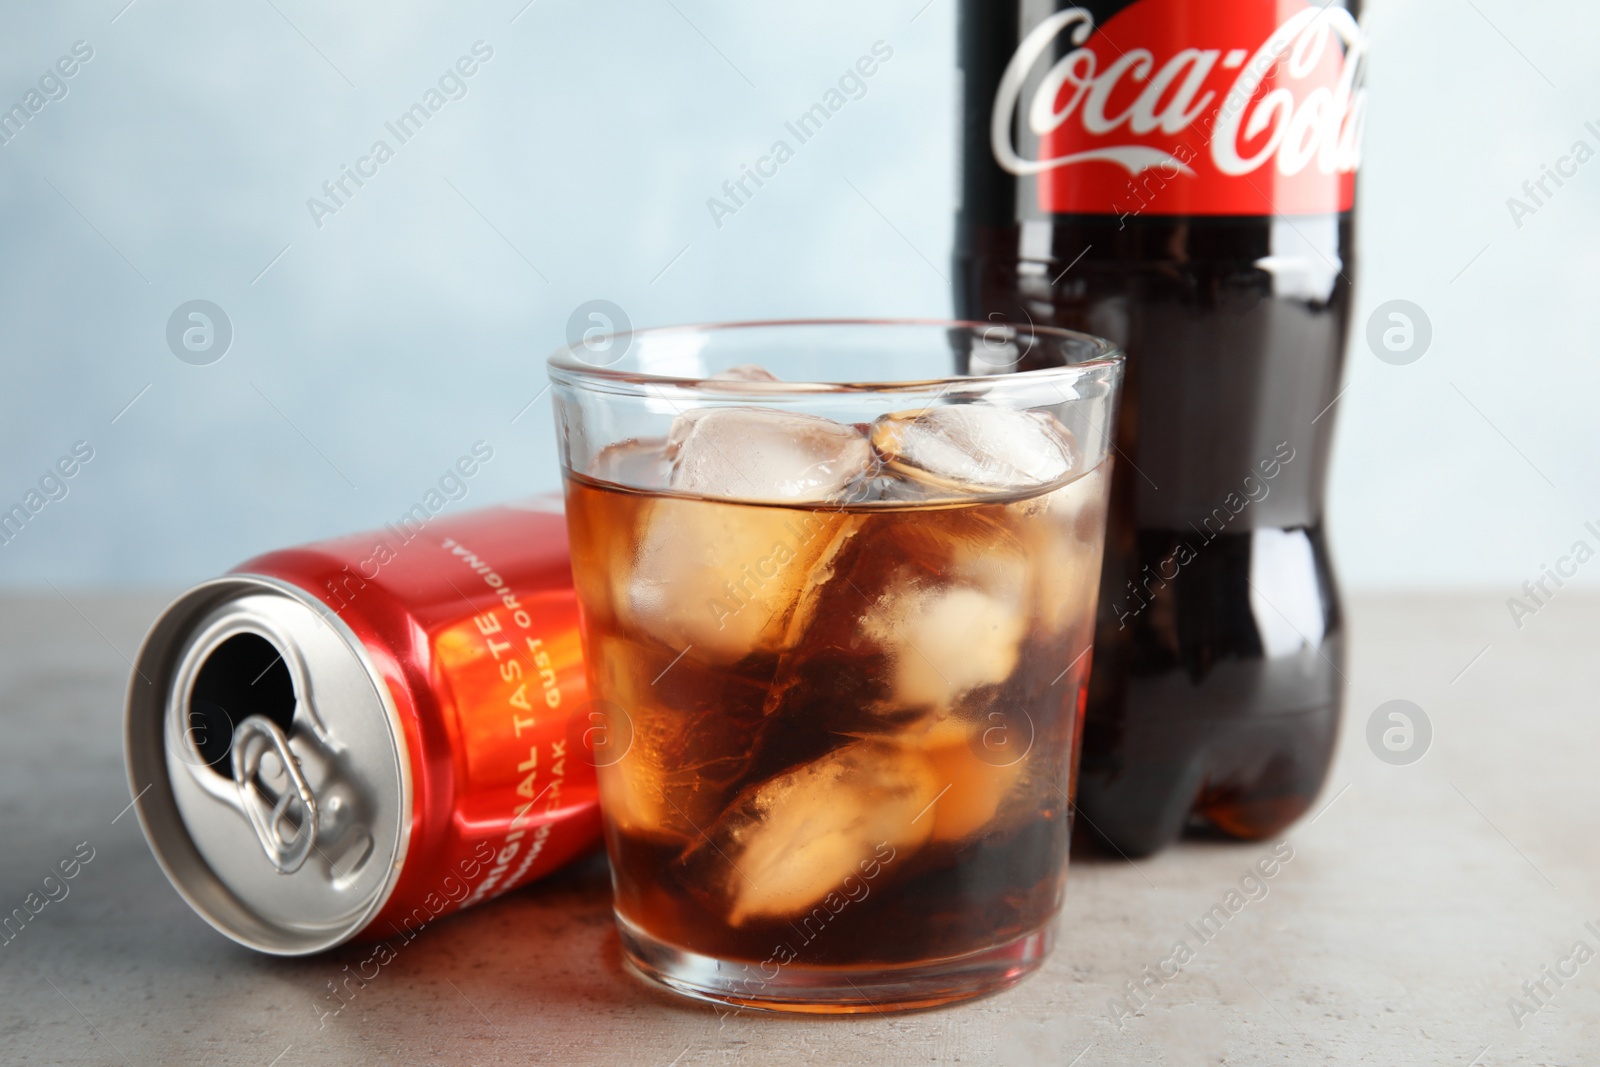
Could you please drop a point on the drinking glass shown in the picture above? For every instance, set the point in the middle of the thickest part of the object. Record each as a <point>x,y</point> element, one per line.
<point>837,610</point>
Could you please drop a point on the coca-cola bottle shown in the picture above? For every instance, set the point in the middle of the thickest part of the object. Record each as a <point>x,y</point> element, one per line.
<point>1178,175</point>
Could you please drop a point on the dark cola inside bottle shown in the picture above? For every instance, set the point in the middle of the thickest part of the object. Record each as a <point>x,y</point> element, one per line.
<point>1178,176</point>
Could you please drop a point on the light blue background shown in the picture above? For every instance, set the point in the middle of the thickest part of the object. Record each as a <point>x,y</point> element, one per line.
<point>415,321</point>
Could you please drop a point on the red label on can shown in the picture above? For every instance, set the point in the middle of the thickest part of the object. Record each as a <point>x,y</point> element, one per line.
<point>1179,108</point>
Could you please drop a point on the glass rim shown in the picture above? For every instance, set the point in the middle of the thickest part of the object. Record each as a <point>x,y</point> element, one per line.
<point>566,367</point>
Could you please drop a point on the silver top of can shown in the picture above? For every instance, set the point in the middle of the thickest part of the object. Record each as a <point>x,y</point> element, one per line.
<point>272,770</point>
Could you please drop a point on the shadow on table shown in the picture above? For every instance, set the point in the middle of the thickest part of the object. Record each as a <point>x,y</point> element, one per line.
<point>549,948</point>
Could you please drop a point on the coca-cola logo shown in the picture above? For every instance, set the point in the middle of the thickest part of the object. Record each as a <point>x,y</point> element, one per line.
<point>1271,91</point>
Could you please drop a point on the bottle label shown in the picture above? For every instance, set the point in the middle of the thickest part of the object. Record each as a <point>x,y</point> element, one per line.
<point>1172,107</point>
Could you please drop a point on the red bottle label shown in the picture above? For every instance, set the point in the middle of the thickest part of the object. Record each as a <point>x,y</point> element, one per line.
<point>1180,108</point>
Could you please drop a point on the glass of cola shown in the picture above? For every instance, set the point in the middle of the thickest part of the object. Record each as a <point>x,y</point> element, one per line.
<point>837,613</point>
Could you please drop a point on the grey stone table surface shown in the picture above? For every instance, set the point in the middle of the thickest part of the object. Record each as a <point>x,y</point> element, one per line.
<point>1418,901</point>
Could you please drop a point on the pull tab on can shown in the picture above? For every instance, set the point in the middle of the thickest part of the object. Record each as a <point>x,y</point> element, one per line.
<point>253,739</point>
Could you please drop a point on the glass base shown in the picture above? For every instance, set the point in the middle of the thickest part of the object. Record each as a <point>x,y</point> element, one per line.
<point>834,990</point>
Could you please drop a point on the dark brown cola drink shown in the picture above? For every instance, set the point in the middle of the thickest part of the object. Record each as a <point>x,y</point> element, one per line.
<point>1179,177</point>
<point>810,782</point>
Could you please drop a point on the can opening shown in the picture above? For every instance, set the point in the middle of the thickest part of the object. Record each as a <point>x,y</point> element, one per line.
<point>243,676</point>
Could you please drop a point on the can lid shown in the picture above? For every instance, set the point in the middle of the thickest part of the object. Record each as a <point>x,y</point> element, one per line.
<point>270,764</point>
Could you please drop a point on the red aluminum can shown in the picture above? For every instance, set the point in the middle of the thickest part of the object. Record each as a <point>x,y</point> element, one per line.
<point>351,739</point>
